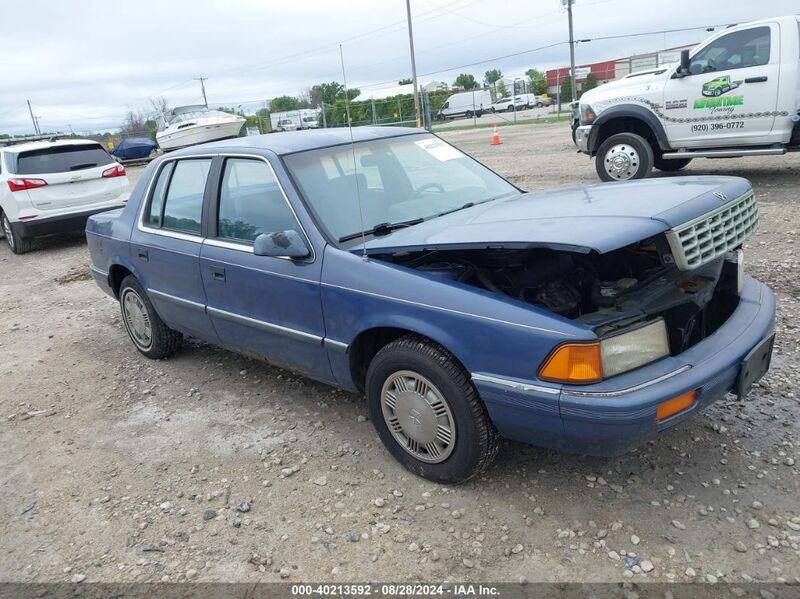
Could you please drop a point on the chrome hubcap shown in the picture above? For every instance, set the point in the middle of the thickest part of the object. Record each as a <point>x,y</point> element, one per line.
<point>418,416</point>
<point>622,161</point>
<point>137,320</point>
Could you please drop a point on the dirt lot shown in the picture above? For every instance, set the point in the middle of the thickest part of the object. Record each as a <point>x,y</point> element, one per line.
<point>215,467</point>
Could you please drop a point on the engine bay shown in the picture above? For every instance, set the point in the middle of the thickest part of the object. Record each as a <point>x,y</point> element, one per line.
<point>604,291</point>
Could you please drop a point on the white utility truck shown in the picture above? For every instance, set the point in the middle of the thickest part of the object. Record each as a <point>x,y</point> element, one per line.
<point>735,94</point>
<point>294,120</point>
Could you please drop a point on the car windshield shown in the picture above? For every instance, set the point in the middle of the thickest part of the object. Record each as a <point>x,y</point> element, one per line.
<point>398,180</point>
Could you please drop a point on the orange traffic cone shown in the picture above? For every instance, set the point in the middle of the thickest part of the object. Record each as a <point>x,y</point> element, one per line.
<point>496,137</point>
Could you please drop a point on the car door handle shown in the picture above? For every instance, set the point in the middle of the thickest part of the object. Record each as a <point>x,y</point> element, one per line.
<point>756,79</point>
<point>143,255</point>
<point>217,273</point>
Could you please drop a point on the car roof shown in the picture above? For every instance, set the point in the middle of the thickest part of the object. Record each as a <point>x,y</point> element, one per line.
<point>41,145</point>
<point>289,142</point>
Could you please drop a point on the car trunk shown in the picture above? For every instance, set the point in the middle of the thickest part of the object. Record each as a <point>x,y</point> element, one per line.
<point>74,176</point>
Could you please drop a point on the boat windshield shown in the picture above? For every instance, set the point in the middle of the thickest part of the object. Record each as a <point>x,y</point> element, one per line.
<point>194,115</point>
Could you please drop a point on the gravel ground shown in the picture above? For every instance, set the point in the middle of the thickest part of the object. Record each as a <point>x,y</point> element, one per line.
<point>215,467</point>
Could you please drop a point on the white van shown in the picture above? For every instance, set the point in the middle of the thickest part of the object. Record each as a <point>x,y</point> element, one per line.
<point>466,104</point>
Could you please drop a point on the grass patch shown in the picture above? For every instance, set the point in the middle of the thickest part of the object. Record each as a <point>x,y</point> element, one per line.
<point>543,121</point>
<point>78,273</point>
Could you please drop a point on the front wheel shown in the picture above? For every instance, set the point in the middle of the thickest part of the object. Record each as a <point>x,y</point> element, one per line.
<point>670,166</point>
<point>17,244</point>
<point>623,157</point>
<point>427,412</point>
<point>148,332</point>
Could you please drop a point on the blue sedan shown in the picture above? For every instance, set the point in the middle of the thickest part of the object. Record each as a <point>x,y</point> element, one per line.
<point>386,262</point>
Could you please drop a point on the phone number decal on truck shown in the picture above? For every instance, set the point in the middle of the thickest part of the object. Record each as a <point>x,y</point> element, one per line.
<point>718,126</point>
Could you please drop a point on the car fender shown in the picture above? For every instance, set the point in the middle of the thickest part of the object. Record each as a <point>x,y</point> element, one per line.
<point>630,111</point>
<point>473,324</point>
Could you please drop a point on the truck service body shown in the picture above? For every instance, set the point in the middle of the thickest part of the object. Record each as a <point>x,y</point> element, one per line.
<point>736,94</point>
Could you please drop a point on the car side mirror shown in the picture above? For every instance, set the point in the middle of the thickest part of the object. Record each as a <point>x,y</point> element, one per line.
<point>281,244</point>
<point>685,67</point>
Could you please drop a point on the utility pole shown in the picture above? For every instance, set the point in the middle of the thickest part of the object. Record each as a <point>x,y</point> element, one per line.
<point>413,63</point>
<point>33,119</point>
<point>571,50</point>
<point>202,81</point>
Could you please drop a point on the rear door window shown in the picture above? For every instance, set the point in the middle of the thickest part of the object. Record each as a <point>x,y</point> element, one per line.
<point>62,159</point>
<point>183,203</point>
<point>154,214</point>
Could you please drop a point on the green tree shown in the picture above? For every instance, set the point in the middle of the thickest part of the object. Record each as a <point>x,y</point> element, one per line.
<point>282,103</point>
<point>500,90</point>
<point>466,81</point>
<point>538,81</point>
<point>589,83</point>
<point>492,77</point>
<point>406,81</point>
<point>328,93</point>
<point>566,89</point>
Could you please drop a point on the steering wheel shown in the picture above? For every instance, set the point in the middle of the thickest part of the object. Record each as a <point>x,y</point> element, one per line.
<point>421,188</point>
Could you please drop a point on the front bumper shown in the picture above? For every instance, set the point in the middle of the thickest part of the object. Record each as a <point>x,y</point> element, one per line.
<point>618,414</point>
<point>582,138</point>
<point>63,223</point>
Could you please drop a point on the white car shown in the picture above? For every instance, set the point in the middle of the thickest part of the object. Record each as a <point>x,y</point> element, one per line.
<point>509,104</point>
<point>51,187</point>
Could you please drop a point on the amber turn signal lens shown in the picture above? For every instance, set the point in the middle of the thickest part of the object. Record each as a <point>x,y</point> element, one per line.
<point>573,363</point>
<point>675,405</point>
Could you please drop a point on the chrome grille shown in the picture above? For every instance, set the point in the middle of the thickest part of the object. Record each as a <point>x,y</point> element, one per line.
<point>710,236</point>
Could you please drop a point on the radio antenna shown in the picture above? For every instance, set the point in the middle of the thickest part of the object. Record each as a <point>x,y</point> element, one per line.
<point>364,255</point>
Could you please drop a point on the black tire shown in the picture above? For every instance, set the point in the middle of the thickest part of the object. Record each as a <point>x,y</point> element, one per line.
<point>468,114</point>
<point>18,245</point>
<point>670,166</point>
<point>476,439</point>
<point>539,105</point>
<point>164,341</point>
<point>633,145</point>
<point>510,108</point>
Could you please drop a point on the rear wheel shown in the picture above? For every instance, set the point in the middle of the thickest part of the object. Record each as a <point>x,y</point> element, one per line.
<point>17,244</point>
<point>670,166</point>
<point>148,332</point>
<point>428,413</point>
<point>623,157</point>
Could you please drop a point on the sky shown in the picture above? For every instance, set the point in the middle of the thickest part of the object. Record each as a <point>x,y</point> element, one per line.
<point>86,62</point>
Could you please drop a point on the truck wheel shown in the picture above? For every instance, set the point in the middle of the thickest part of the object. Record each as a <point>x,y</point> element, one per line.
<point>670,166</point>
<point>428,413</point>
<point>623,157</point>
<point>17,244</point>
<point>148,332</point>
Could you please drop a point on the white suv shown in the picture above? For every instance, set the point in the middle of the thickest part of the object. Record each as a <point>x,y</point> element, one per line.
<point>51,187</point>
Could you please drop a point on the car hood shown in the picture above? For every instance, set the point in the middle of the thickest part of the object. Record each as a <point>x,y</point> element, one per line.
<point>645,83</point>
<point>600,218</point>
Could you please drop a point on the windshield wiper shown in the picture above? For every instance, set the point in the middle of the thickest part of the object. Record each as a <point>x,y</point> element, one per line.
<point>382,229</point>
<point>470,205</point>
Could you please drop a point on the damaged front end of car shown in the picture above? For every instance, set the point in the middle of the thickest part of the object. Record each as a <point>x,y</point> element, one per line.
<point>656,297</point>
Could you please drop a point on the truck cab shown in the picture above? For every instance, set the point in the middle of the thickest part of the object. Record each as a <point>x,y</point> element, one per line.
<point>735,94</point>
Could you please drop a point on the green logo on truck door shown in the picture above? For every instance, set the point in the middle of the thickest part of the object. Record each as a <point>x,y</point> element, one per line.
<point>720,85</point>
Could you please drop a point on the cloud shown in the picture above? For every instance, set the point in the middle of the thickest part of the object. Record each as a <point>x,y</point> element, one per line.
<point>85,62</point>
